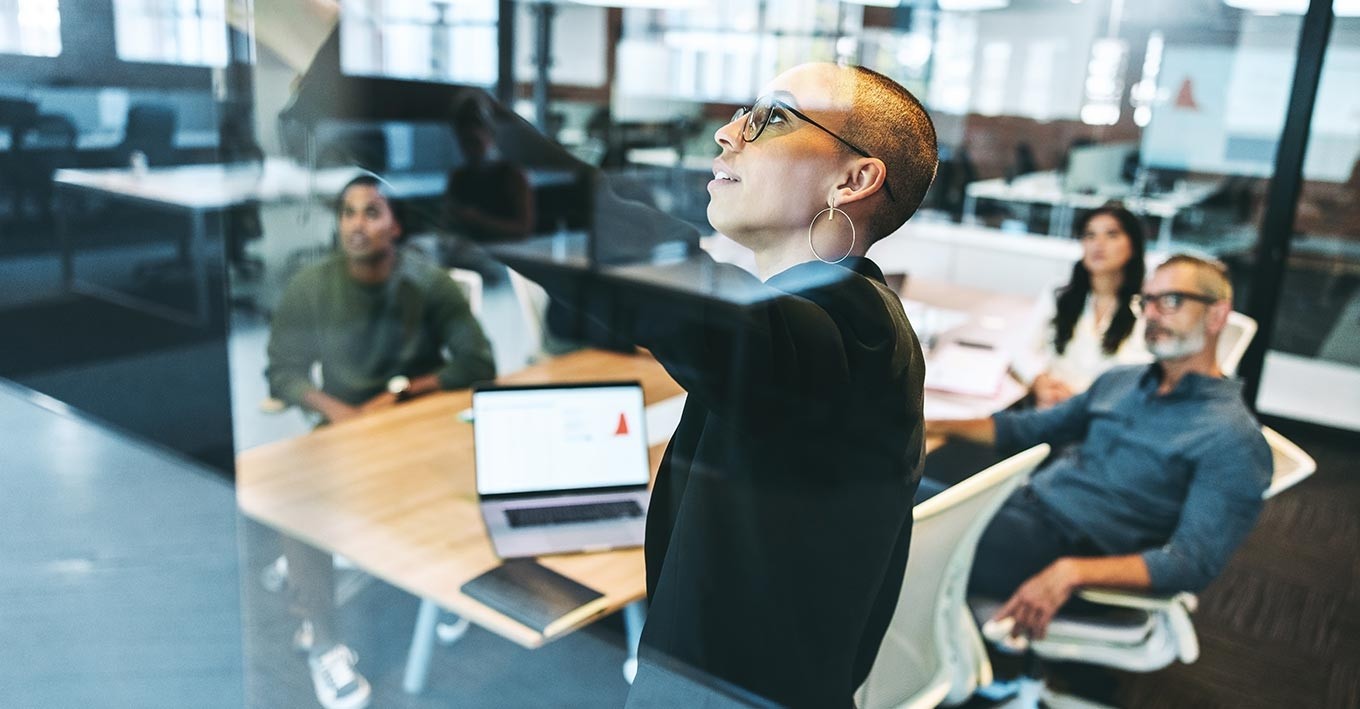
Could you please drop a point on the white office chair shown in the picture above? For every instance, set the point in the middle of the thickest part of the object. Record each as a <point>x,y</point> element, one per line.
<point>533,308</point>
<point>1143,632</point>
<point>1233,341</point>
<point>922,659</point>
<point>470,283</point>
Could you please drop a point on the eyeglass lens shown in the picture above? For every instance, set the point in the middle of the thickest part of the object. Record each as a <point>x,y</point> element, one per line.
<point>756,118</point>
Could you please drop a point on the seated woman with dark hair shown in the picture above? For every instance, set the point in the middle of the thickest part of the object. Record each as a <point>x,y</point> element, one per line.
<point>1090,324</point>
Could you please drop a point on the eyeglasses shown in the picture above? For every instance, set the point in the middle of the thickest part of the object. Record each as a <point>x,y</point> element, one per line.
<point>758,116</point>
<point>1170,301</point>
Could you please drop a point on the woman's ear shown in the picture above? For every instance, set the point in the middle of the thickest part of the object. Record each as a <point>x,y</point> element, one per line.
<point>862,178</point>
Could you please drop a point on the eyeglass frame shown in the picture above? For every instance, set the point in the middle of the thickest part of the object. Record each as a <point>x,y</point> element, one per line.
<point>749,111</point>
<point>1142,300</point>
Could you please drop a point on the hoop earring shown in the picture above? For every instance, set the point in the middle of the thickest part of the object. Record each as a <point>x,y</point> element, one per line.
<point>832,217</point>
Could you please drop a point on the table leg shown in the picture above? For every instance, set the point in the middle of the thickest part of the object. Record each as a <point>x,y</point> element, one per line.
<point>1060,219</point>
<point>422,644</point>
<point>196,252</point>
<point>68,270</point>
<point>634,617</point>
<point>1164,234</point>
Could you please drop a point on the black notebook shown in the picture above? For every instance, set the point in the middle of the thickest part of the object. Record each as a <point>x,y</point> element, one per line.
<point>535,595</point>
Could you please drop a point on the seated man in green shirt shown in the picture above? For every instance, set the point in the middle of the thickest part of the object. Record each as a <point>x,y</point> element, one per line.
<point>385,324</point>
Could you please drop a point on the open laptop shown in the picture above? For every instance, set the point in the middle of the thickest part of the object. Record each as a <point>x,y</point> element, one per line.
<point>561,468</point>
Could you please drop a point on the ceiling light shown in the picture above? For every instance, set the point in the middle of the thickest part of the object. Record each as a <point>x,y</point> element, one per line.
<point>647,4</point>
<point>1342,8</point>
<point>971,5</point>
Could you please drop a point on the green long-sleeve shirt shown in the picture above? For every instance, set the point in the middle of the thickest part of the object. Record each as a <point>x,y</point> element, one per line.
<point>416,323</point>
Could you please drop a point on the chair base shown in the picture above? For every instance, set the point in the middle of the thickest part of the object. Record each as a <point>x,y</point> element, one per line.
<point>1032,693</point>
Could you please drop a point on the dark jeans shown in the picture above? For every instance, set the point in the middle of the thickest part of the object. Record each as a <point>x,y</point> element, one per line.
<point>1021,540</point>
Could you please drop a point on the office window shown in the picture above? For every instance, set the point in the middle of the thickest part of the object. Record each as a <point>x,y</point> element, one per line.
<point>30,27</point>
<point>188,32</point>
<point>700,55</point>
<point>434,40</point>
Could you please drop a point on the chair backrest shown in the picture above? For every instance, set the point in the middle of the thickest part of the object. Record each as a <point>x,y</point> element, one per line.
<point>915,662</point>
<point>150,128</point>
<point>50,131</point>
<point>1291,464</point>
<point>533,308</point>
<point>1233,341</point>
<point>470,282</point>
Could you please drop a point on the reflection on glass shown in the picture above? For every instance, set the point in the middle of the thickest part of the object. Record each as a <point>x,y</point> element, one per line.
<point>420,39</point>
<point>30,27</point>
<point>171,31</point>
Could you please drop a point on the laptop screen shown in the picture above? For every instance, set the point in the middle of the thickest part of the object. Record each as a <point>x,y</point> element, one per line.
<point>559,438</point>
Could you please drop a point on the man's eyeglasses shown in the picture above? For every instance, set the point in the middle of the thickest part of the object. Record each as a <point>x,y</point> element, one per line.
<point>1170,301</point>
<point>758,117</point>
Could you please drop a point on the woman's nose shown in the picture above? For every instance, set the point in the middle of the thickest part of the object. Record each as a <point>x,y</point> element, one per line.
<point>728,136</point>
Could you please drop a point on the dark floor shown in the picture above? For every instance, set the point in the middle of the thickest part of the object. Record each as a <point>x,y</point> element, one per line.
<point>1281,626</point>
<point>583,669</point>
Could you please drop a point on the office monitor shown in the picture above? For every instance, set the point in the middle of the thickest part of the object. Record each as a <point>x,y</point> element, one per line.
<point>1098,168</point>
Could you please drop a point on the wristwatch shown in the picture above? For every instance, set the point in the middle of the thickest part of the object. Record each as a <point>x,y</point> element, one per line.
<point>399,386</point>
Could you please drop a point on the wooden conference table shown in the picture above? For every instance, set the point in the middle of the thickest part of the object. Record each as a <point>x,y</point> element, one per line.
<point>395,493</point>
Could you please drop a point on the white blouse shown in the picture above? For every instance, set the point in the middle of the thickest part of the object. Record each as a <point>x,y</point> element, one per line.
<point>1084,358</point>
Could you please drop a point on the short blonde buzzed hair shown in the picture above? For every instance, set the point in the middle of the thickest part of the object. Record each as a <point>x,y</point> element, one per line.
<point>892,125</point>
<point>1210,274</point>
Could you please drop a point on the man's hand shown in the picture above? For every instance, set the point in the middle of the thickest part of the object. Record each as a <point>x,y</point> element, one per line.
<point>1049,391</point>
<point>340,412</point>
<point>1035,603</point>
<point>333,409</point>
<point>385,400</point>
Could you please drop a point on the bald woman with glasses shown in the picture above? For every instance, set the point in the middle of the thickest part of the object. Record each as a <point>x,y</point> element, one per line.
<point>780,518</point>
<point>780,521</point>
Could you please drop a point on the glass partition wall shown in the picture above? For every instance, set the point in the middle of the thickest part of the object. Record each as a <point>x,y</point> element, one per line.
<point>1312,367</point>
<point>171,171</point>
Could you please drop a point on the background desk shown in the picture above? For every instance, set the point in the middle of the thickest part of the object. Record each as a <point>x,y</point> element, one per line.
<point>395,493</point>
<point>198,191</point>
<point>1046,188</point>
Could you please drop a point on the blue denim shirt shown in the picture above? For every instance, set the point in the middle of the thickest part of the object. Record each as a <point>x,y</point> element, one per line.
<point>1178,477</point>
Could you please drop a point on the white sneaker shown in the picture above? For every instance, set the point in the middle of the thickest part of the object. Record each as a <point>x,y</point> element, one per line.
<point>450,632</point>
<point>304,637</point>
<point>337,684</point>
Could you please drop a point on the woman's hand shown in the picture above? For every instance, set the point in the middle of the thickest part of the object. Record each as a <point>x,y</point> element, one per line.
<point>1049,391</point>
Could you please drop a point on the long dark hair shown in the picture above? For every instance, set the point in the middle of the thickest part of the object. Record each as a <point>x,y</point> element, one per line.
<point>1072,297</point>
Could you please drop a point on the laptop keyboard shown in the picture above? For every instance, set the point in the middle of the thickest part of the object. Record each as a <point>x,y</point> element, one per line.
<point>595,512</point>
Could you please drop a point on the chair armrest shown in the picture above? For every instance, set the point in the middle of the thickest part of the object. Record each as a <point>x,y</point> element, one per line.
<point>1142,601</point>
<point>1176,607</point>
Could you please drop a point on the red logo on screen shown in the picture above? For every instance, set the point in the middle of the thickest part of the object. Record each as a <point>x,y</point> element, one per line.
<point>1185,98</point>
<point>622,429</point>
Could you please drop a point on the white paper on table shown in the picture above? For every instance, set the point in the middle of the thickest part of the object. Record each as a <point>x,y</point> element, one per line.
<point>964,369</point>
<point>663,418</point>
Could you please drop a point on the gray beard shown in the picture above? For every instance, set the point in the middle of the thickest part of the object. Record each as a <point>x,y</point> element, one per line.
<point>1179,347</point>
